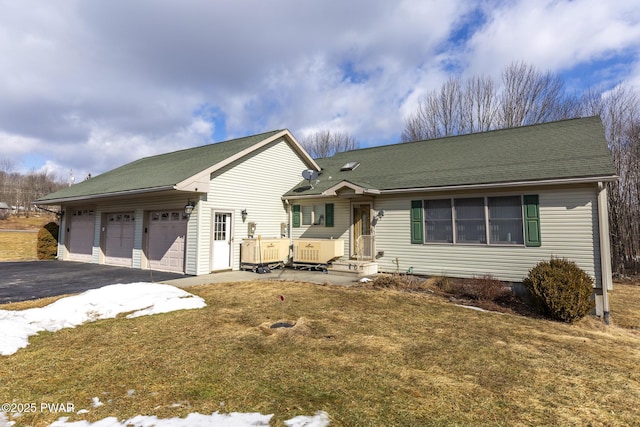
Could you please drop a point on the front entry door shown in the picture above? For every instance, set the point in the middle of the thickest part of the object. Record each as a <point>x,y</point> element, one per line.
<point>221,248</point>
<point>361,230</point>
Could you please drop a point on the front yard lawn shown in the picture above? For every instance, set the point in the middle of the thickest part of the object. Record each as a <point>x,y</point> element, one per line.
<point>365,356</point>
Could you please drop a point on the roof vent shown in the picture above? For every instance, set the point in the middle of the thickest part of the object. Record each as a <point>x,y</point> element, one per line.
<point>350,166</point>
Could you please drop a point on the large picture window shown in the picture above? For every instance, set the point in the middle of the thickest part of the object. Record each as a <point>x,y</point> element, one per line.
<point>481,220</point>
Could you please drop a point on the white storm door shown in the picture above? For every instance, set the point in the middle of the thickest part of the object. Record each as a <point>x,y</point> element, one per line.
<point>221,248</point>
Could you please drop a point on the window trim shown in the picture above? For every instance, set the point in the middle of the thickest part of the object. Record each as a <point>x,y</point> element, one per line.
<point>523,220</point>
<point>324,219</point>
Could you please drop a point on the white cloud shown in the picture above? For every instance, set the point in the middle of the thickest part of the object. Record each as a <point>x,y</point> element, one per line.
<point>92,85</point>
<point>554,35</point>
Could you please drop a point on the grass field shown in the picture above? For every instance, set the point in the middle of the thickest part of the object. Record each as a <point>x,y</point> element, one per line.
<point>365,356</point>
<point>18,237</point>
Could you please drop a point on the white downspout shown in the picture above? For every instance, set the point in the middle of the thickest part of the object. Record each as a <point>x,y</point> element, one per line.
<point>605,250</point>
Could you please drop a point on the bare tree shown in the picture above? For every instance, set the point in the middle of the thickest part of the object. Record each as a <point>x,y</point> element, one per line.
<point>439,113</point>
<point>525,96</point>
<point>482,105</point>
<point>530,96</point>
<point>620,112</point>
<point>21,190</point>
<point>326,143</point>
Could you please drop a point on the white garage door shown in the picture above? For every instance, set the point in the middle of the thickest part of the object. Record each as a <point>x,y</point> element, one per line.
<point>166,241</point>
<point>80,224</point>
<point>119,239</point>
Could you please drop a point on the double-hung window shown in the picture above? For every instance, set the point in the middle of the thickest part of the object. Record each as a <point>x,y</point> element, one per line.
<point>470,220</point>
<point>438,221</point>
<point>320,214</point>
<point>307,215</point>
<point>505,220</point>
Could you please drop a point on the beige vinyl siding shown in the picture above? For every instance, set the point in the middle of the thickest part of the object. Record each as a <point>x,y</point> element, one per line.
<point>96,254</point>
<point>62,238</point>
<point>568,224</point>
<point>138,258</point>
<point>341,218</point>
<point>193,241</point>
<point>255,183</point>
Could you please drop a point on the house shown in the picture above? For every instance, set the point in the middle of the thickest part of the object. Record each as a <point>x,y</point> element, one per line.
<point>493,203</point>
<point>5,210</point>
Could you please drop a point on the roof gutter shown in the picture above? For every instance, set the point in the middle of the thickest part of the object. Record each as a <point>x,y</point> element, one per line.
<point>590,180</point>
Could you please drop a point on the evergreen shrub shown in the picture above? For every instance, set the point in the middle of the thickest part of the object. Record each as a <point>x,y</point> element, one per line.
<point>48,241</point>
<point>561,289</point>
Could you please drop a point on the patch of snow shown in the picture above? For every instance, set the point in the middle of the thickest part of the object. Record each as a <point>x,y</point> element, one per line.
<point>95,402</point>
<point>234,419</point>
<point>478,309</point>
<point>4,422</point>
<point>365,280</point>
<point>138,299</point>
<point>320,419</point>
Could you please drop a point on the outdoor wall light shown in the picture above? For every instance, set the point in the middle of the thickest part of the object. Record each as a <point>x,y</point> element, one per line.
<point>189,207</point>
<point>380,214</point>
<point>244,214</point>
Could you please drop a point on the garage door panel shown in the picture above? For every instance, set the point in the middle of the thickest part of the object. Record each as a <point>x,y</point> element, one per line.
<point>166,241</point>
<point>119,239</point>
<point>81,230</point>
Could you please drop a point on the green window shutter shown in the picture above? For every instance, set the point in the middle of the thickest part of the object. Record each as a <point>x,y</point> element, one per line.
<point>532,221</point>
<point>328,215</point>
<point>417,234</point>
<point>296,216</point>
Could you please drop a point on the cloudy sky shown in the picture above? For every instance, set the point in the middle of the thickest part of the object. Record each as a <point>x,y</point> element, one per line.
<point>86,86</point>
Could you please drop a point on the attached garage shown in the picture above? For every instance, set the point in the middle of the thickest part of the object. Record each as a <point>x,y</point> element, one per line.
<point>166,240</point>
<point>177,211</point>
<point>118,240</point>
<point>80,230</point>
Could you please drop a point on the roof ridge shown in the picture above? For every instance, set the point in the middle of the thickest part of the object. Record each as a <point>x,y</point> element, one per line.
<point>272,132</point>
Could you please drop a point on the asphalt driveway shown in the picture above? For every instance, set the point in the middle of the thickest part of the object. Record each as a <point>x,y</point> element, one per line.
<point>22,281</point>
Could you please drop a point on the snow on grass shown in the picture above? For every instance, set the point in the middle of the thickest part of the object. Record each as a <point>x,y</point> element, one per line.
<point>234,419</point>
<point>138,299</point>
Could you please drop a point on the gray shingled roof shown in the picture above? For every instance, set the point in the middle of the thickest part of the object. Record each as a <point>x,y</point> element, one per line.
<point>157,172</point>
<point>574,148</point>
